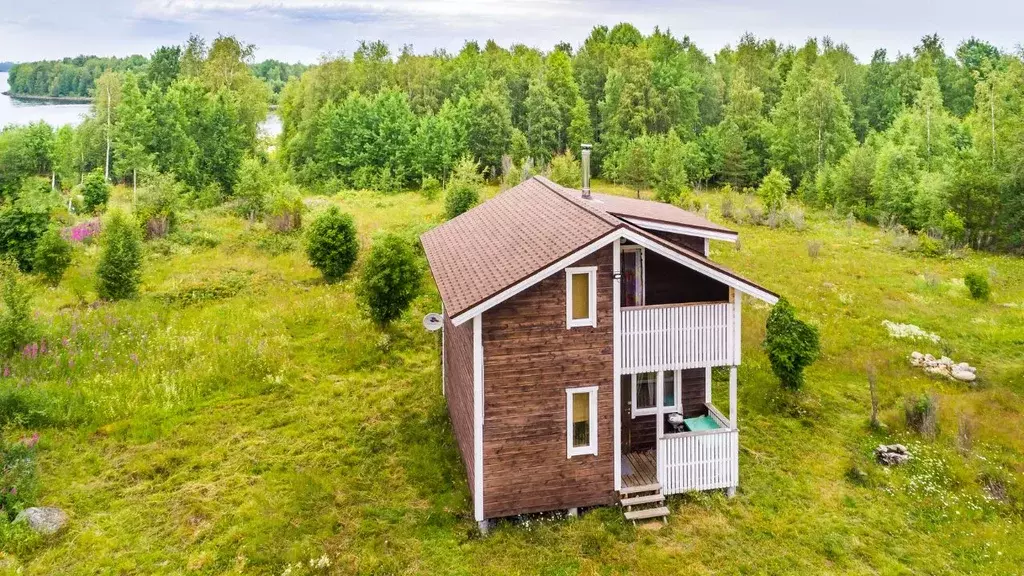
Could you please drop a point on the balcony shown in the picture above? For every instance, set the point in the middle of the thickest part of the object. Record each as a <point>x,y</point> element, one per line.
<point>679,336</point>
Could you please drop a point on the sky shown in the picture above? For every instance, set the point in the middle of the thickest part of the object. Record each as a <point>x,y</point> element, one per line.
<point>306,30</point>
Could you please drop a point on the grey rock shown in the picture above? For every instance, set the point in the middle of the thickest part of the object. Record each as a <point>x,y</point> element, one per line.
<point>44,520</point>
<point>892,455</point>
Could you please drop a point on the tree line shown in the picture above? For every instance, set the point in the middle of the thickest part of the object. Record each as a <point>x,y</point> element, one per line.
<point>77,77</point>
<point>928,140</point>
<point>192,114</point>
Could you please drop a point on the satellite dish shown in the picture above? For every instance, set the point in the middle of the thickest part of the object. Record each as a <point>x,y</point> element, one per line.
<point>433,321</point>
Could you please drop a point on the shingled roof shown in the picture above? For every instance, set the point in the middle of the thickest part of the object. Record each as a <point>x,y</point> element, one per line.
<point>519,232</point>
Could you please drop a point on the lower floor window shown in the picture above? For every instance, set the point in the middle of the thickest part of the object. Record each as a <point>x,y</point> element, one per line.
<point>581,421</point>
<point>645,392</point>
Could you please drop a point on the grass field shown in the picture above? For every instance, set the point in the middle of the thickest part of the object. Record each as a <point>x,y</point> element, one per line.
<point>242,417</point>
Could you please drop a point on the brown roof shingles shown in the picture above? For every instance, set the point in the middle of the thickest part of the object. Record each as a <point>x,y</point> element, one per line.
<point>505,240</point>
<point>526,228</point>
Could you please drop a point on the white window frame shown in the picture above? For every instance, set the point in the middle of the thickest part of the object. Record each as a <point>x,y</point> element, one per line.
<point>590,449</point>
<point>640,282</point>
<point>591,320</point>
<point>677,394</point>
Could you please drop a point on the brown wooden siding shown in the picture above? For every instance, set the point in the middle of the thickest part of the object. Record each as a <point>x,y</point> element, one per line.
<point>530,359</point>
<point>695,243</point>
<point>693,389</point>
<point>670,283</point>
<point>458,387</point>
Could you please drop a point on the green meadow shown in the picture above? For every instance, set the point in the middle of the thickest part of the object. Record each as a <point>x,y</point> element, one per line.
<point>243,417</point>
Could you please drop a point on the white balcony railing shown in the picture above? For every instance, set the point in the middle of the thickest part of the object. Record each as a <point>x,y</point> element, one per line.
<point>678,337</point>
<point>706,460</point>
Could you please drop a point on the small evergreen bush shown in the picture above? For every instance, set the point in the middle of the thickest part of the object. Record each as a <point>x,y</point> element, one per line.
<point>119,271</point>
<point>332,245</point>
<point>773,190</point>
<point>463,189</point>
<point>389,280</point>
<point>791,344</point>
<point>978,286</point>
<point>16,326</point>
<point>53,256</point>
<point>95,191</point>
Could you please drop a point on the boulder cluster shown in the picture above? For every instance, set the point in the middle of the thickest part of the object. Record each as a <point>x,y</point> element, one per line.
<point>892,454</point>
<point>944,367</point>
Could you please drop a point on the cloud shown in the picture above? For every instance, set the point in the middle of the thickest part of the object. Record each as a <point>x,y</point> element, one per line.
<point>305,29</point>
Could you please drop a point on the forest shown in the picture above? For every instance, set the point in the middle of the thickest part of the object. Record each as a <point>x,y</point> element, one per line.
<point>76,77</point>
<point>928,141</point>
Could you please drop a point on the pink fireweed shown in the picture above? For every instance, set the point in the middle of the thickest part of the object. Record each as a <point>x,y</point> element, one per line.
<point>83,231</point>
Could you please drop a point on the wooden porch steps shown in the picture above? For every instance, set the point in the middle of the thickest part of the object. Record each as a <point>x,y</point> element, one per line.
<point>648,513</point>
<point>628,490</point>
<point>638,500</point>
<point>644,502</point>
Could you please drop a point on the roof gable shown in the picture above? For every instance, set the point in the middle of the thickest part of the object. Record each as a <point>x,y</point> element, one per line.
<point>532,230</point>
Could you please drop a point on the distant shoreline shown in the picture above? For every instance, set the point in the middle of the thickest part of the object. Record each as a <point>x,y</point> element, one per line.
<point>60,99</point>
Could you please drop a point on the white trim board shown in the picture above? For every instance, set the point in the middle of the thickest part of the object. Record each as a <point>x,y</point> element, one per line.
<point>619,233</point>
<point>591,319</point>
<point>478,418</point>
<point>682,229</point>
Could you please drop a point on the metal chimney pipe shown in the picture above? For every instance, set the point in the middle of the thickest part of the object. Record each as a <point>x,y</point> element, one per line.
<point>585,163</point>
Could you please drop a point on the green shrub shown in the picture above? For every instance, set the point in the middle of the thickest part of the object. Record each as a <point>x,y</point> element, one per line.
<point>953,228</point>
<point>21,226</point>
<point>284,212</point>
<point>773,190</point>
<point>389,280</point>
<point>927,245</point>
<point>156,207</point>
<point>430,187</point>
<point>922,415</point>
<point>565,170</point>
<point>95,191</point>
<point>16,326</point>
<point>463,189</point>
<point>256,182</point>
<point>459,199</point>
<point>53,256</point>
<point>119,271</point>
<point>791,344</point>
<point>332,245</point>
<point>978,285</point>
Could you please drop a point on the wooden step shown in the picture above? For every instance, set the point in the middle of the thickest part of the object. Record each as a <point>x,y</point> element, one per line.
<point>636,489</point>
<point>638,500</point>
<point>659,512</point>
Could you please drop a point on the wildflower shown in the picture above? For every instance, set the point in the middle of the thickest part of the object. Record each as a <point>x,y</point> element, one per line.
<point>6,371</point>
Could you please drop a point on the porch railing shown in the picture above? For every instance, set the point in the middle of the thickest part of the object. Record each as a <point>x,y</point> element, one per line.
<point>677,337</point>
<point>705,460</point>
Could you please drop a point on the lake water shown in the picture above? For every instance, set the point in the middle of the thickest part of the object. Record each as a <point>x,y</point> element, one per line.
<point>57,114</point>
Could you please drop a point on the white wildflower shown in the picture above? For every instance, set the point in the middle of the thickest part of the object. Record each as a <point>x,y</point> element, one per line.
<point>909,331</point>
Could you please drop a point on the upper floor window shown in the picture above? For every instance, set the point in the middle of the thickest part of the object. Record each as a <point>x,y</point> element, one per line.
<point>581,297</point>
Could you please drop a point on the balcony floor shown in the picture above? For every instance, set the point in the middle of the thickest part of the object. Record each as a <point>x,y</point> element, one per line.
<point>639,468</point>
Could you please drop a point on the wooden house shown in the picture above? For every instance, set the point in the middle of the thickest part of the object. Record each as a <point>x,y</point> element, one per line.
<point>578,339</point>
